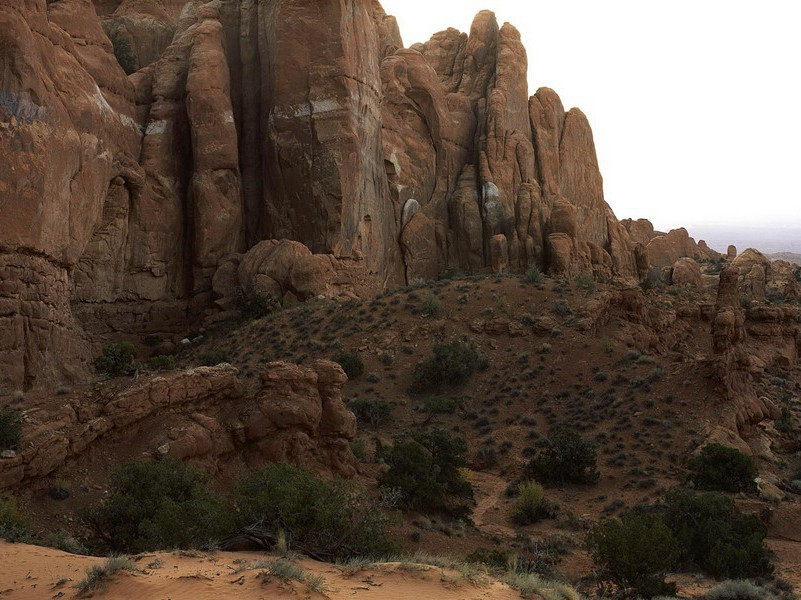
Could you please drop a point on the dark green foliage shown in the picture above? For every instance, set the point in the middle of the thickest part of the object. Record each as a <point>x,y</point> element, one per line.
<point>492,558</point>
<point>333,520</point>
<point>158,505</point>
<point>566,458</point>
<point>123,51</point>
<point>372,411</point>
<point>10,428</point>
<point>451,364</point>
<point>530,505</point>
<point>351,363</point>
<point>258,306</point>
<point>720,468</point>
<point>716,536</point>
<point>162,362</point>
<point>533,275</point>
<point>213,358</point>
<point>439,405</point>
<point>426,470</point>
<point>117,359</point>
<point>634,552</point>
<point>14,523</point>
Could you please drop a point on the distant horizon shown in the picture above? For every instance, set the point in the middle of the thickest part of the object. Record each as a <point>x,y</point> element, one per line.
<point>768,239</point>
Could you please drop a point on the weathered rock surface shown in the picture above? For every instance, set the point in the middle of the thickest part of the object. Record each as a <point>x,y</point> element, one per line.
<point>243,122</point>
<point>207,415</point>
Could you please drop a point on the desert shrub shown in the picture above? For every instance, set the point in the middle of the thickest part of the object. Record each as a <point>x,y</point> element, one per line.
<point>720,468</point>
<point>257,306</point>
<point>532,275</point>
<point>451,364</point>
<point>439,405</point>
<point>432,307</point>
<point>634,552</point>
<point>333,520</point>
<point>714,535</point>
<point>351,363</point>
<point>359,449</point>
<point>10,428</point>
<point>566,458</point>
<point>158,505</point>
<point>585,282</point>
<point>213,358</point>
<point>738,589</point>
<point>426,469</point>
<point>562,308</point>
<point>14,523</point>
<point>98,575</point>
<point>162,362</point>
<point>530,505</point>
<point>117,359</point>
<point>372,411</point>
<point>490,557</point>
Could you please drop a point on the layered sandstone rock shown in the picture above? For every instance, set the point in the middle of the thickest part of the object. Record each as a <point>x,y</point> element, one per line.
<point>207,415</point>
<point>248,121</point>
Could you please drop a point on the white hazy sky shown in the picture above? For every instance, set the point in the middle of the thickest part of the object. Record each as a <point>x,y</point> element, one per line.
<point>695,104</point>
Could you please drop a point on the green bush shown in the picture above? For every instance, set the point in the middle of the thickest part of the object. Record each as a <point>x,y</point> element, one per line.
<point>162,362</point>
<point>157,506</point>
<point>714,535</point>
<point>533,275</point>
<point>439,405</point>
<point>372,411</point>
<point>530,505</point>
<point>10,428</point>
<point>426,469</point>
<point>351,363</point>
<point>117,359</point>
<point>451,364</point>
<point>432,307</point>
<point>566,458</point>
<point>720,468</point>
<point>14,523</point>
<point>258,306</point>
<point>634,552</point>
<point>738,589</point>
<point>333,520</point>
<point>213,358</point>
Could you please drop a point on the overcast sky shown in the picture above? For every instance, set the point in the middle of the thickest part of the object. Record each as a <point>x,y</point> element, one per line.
<point>695,104</point>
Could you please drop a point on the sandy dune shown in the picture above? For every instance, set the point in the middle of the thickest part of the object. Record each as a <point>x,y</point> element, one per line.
<point>32,572</point>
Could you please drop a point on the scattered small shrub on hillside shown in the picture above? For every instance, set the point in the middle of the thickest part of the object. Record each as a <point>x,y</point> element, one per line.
<point>10,428</point>
<point>432,307</point>
<point>117,359</point>
<point>372,411</point>
<point>156,506</point>
<point>98,575</point>
<point>426,469</point>
<point>634,552</point>
<point>14,523</point>
<point>351,363</point>
<point>562,308</point>
<point>359,449</point>
<point>714,535</point>
<point>162,362</point>
<point>585,282</point>
<point>258,306</point>
<point>530,505</point>
<point>439,405</point>
<point>451,364</point>
<point>533,275</point>
<point>566,458</point>
<point>213,358</point>
<point>334,520</point>
<point>738,589</point>
<point>720,468</point>
<point>498,560</point>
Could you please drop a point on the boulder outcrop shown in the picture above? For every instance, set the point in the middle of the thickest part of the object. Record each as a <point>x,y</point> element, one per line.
<point>207,415</point>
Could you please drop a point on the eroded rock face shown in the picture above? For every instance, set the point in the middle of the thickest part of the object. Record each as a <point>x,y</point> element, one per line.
<point>243,122</point>
<point>206,415</point>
